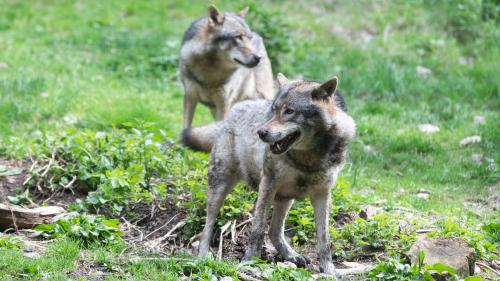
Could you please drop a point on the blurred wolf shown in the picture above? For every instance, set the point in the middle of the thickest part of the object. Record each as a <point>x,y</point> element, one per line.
<point>304,134</point>
<point>221,62</point>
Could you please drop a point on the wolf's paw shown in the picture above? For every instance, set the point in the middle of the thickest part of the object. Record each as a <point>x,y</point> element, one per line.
<point>299,260</point>
<point>327,268</point>
<point>203,250</point>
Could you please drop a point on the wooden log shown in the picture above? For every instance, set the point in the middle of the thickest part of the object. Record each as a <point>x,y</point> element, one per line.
<point>18,217</point>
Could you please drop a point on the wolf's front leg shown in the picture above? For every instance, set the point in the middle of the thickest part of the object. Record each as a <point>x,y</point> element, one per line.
<point>262,207</point>
<point>321,204</point>
<point>277,233</point>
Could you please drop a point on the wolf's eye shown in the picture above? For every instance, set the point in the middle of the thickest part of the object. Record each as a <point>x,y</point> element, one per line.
<point>289,111</point>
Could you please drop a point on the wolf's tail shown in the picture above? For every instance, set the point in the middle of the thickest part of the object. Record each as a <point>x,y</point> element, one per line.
<point>201,138</point>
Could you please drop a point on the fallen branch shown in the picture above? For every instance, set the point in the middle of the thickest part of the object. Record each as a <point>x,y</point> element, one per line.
<point>19,217</point>
<point>157,243</point>
<point>165,224</point>
<point>488,267</point>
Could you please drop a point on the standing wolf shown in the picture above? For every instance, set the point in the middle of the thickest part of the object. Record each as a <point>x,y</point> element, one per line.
<point>222,62</point>
<point>304,135</point>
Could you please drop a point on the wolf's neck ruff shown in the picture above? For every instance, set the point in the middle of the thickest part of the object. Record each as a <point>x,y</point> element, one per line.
<point>320,159</point>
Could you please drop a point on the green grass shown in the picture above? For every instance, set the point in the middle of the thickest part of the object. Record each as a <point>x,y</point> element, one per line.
<point>98,64</point>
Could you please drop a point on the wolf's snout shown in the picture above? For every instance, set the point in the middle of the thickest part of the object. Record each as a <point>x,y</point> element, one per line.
<point>255,60</point>
<point>263,132</point>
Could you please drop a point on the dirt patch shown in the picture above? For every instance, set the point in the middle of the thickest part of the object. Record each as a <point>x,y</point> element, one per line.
<point>9,183</point>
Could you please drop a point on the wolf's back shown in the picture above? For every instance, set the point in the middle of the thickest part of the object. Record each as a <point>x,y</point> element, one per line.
<point>201,138</point>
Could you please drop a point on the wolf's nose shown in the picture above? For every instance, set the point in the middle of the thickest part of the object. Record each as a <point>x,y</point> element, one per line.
<point>257,58</point>
<point>262,132</point>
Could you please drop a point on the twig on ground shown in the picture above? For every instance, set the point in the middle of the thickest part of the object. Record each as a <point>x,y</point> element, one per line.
<point>244,222</point>
<point>156,230</point>
<point>130,225</point>
<point>13,219</point>
<point>425,230</point>
<point>178,225</point>
<point>151,216</point>
<point>488,267</point>
<point>221,238</point>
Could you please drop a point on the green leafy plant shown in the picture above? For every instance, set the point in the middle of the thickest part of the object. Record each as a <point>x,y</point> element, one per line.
<point>275,272</point>
<point>375,234</point>
<point>493,231</point>
<point>397,269</point>
<point>10,242</point>
<point>85,228</point>
<point>117,167</point>
<point>21,197</point>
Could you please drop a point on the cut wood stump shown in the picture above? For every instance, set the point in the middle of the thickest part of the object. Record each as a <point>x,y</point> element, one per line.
<point>18,217</point>
<point>451,251</point>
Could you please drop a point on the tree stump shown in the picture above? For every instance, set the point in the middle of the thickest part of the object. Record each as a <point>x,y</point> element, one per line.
<point>451,251</point>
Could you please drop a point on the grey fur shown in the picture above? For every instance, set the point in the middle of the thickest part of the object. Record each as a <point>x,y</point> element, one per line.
<point>307,168</point>
<point>222,62</point>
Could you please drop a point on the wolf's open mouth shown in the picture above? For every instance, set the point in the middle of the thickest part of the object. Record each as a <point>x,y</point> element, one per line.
<point>282,145</point>
<point>249,65</point>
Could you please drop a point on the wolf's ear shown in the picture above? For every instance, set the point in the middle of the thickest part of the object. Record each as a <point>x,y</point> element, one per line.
<point>281,79</point>
<point>214,16</point>
<point>326,89</point>
<point>243,12</point>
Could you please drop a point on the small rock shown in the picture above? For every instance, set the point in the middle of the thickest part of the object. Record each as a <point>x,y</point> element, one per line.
<point>476,158</point>
<point>479,120</point>
<point>422,190</point>
<point>3,65</point>
<point>369,212</point>
<point>368,148</point>
<point>465,60</point>
<point>439,42</point>
<point>381,202</point>
<point>70,119</point>
<point>424,196</point>
<point>470,140</point>
<point>423,72</point>
<point>451,251</point>
<point>195,244</point>
<point>31,255</point>
<point>287,264</point>
<point>226,278</point>
<point>428,128</point>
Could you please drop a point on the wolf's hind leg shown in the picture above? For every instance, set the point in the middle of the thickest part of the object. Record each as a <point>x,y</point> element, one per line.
<point>277,232</point>
<point>190,102</point>
<point>222,178</point>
